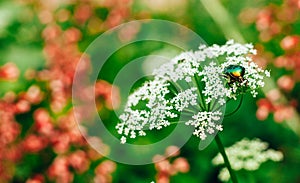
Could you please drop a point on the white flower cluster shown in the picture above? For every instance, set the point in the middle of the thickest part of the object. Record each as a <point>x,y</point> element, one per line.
<point>191,80</point>
<point>183,99</point>
<point>214,85</point>
<point>206,123</point>
<point>246,154</point>
<point>233,54</point>
<point>154,116</point>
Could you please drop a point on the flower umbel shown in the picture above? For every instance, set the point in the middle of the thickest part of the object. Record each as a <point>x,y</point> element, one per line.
<point>191,85</point>
<point>246,154</point>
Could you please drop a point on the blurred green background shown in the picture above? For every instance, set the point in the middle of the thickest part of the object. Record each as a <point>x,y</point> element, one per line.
<point>266,24</point>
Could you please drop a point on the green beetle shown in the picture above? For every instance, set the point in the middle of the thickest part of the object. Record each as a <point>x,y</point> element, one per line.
<point>234,73</point>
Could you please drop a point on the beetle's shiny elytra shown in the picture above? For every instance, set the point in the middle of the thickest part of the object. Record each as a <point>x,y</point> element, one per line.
<point>234,73</point>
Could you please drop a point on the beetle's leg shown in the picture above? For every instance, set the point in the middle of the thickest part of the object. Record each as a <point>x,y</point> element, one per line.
<point>246,82</point>
<point>241,80</point>
<point>225,76</point>
<point>231,81</point>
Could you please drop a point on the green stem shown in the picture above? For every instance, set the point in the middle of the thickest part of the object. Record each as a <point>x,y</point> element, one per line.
<point>196,79</point>
<point>226,161</point>
<point>188,111</point>
<point>176,122</point>
<point>177,86</point>
<point>238,107</point>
